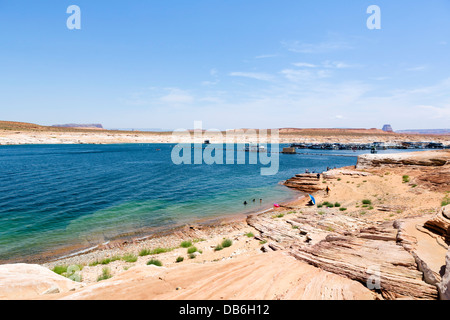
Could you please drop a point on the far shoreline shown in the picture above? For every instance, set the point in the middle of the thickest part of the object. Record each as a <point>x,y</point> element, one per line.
<point>15,133</point>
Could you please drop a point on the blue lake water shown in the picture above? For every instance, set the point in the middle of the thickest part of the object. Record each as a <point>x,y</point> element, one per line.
<point>57,196</point>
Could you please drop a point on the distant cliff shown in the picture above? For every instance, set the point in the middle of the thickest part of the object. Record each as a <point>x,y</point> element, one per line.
<point>74,125</point>
<point>426,131</point>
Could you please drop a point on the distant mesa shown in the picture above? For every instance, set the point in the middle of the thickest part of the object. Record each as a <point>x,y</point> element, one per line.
<point>327,131</point>
<point>387,128</point>
<point>83,126</point>
<point>426,131</point>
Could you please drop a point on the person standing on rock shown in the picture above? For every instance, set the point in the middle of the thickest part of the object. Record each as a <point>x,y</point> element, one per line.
<point>328,190</point>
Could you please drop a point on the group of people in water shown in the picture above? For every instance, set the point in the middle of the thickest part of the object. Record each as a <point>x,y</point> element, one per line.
<point>254,201</point>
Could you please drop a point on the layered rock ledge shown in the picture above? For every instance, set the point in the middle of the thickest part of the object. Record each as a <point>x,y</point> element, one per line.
<point>426,158</point>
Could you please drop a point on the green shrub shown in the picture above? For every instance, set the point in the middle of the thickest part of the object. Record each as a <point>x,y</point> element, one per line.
<point>161,250</point>
<point>218,248</point>
<point>109,260</point>
<point>367,202</point>
<point>250,235</point>
<point>263,242</point>
<point>129,258</point>
<point>191,250</point>
<point>192,256</point>
<point>343,209</point>
<point>323,204</point>
<point>106,274</point>
<point>147,252</point>
<point>60,270</point>
<point>155,263</point>
<point>144,252</point>
<point>227,243</point>
<point>406,179</point>
<point>186,244</point>
<point>69,272</point>
<point>328,204</point>
<point>180,259</point>
<point>337,205</point>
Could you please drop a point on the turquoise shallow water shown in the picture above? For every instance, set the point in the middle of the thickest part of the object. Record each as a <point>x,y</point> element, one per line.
<point>55,196</point>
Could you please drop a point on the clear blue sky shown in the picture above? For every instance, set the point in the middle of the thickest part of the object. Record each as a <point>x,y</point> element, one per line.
<point>228,63</point>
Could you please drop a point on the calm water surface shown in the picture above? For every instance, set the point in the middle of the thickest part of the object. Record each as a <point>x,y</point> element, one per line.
<point>55,196</point>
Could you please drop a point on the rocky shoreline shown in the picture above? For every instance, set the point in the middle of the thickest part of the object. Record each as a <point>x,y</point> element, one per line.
<point>381,232</point>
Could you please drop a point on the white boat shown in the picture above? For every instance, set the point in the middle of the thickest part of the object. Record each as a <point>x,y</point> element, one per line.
<point>253,147</point>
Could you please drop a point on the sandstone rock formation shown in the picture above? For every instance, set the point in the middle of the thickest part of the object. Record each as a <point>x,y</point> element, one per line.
<point>444,286</point>
<point>351,248</point>
<point>306,182</point>
<point>440,226</point>
<point>270,276</point>
<point>437,179</point>
<point>440,223</point>
<point>336,173</point>
<point>25,281</point>
<point>427,159</point>
<point>360,259</point>
<point>387,128</point>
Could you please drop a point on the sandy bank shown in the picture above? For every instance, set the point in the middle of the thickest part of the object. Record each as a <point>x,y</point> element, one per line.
<point>78,136</point>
